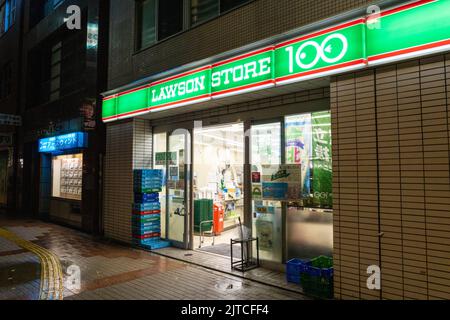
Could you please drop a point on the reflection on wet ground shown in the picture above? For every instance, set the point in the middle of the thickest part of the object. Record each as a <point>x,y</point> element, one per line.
<point>19,274</point>
<point>106,270</point>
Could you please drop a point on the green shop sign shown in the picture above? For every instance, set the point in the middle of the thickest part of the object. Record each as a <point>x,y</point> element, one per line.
<point>415,29</point>
<point>132,103</point>
<point>321,53</point>
<point>109,111</point>
<point>249,72</point>
<point>409,31</point>
<point>187,88</point>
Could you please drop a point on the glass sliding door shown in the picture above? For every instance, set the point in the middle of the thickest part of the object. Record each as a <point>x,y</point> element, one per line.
<point>265,145</point>
<point>178,187</point>
<point>160,163</point>
<point>218,179</point>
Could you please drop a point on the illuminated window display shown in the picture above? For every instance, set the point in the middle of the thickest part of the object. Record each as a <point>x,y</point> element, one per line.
<point>67,173</point>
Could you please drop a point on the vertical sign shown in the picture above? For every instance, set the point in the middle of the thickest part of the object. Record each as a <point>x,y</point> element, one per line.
<point>322,159</point>
<point>299,147</point>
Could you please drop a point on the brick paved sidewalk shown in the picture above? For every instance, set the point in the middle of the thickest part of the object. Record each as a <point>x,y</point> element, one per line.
<point>111,271</point>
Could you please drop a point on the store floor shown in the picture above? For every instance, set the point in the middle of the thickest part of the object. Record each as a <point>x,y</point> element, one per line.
<point>219,244</point>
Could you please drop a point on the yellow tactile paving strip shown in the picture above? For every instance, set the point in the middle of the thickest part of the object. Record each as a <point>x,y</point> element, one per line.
<point>51,284</point>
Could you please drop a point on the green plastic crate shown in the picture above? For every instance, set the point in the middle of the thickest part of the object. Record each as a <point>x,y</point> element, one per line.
<point>317,281</point>
<point>317,287</point>
<point>203,211</point>
<point>322,262</point>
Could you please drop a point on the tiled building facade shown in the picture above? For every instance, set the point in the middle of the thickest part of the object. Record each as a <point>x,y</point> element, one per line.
<point>390,142</point>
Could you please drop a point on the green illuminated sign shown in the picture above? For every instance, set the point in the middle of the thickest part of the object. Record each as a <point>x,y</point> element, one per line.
<point>187,88</point>
<point>109,111</point>
<point>245,73</point>
<point>408,31</point>
<point>321,53</point>
<point>132,102</point>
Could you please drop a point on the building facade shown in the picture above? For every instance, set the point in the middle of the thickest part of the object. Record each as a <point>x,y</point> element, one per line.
<point>10,40</point>
<point>322,126</point>
<point>62,137</point>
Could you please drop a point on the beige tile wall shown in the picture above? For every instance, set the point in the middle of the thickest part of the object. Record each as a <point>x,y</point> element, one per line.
<point>391,178</point>
<point>128,147</point>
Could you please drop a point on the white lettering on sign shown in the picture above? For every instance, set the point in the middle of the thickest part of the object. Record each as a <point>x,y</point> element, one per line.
<point>179,89</point>
<point>242,72</point>
<point>320,52</point>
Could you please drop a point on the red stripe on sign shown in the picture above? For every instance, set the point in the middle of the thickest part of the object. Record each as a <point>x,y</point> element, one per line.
<point>322,32</point>
<point>131,112</point>
<point>410,50</point>
<point>179,76</point>
<point>109,98</point>
<point>253,53</point>
<point>336,67</point>
<point>179,102</point>
<point>109,118</point>
<point>134,90</point>
<point>406,7</point>
<point>254,85</point>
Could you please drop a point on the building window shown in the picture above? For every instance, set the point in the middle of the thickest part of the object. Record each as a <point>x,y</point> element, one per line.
<point>67,176</point>
<point>203,10</point>
<point>146,11</point>
<point>158,20</point>
<point>7,15</point>
<point>39,9</point>
<point>226,5</point>
<point>170,18</point>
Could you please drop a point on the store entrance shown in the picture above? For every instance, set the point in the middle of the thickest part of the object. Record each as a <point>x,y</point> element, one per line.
<point>218,187</point>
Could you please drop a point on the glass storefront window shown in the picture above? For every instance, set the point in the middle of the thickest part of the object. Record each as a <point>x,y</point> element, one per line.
<point>267,214</point>
<point>310,221</point>
<point>67,176</point>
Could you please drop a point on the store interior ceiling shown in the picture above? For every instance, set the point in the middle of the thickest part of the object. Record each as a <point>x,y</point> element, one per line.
<point>240,98</point>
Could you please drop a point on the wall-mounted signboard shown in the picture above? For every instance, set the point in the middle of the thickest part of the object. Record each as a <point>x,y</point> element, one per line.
<point>63,142</point>
<point>10,120</point>
<point>414,29</point>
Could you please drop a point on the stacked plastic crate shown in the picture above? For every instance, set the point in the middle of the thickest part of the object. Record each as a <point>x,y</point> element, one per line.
<point>146,217</point>
<point>315,276</point>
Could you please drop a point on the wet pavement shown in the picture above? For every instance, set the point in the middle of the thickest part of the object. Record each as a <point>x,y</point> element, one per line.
<point>45,261</point>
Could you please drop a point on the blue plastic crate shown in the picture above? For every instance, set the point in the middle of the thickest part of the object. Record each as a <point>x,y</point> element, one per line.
<point>147,206</point>
<point>295,266</point>
<point>148,173</point>
<point>293,278</point>
<point>327,273</point>
<point>146,197</point>
<point>155,243</point>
